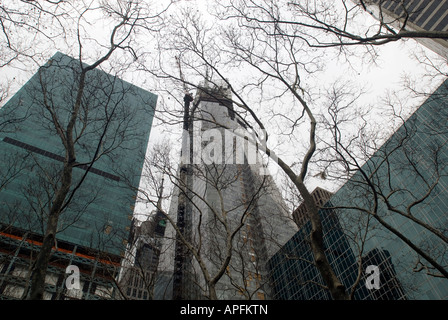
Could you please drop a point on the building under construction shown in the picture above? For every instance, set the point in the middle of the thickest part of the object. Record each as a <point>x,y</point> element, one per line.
<point>230,215</point>
<point>97,270</point>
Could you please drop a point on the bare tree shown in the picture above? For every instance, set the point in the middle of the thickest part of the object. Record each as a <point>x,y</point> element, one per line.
<point>225,237</point>
<point>337,23</point>
<point>25,20</point>
<point>73,111</point>
<point>282,44</point>
<point>396,184</point>
<point>276,60</point>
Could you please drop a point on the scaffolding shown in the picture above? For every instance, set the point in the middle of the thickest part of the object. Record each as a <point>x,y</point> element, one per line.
<point>18,250</point>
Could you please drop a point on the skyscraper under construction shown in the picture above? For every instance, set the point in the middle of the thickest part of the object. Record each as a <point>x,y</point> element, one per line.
<point>227,216</point>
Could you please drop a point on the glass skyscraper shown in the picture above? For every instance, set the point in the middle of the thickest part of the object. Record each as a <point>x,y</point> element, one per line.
<point>111,135</point>
<point>390,214</point>
<point>295,277</point>
<point>401,197</point>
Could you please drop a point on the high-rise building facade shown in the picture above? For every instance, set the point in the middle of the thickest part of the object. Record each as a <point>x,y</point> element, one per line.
<point>235,219</point>
<point>418,15</point>
<point>320,197</point>
<point>110,135</point>
<point>400,196</point>
<point>391,215</point>
<point>295,277</point>
<point>139,268</point>
<point>293,273</point>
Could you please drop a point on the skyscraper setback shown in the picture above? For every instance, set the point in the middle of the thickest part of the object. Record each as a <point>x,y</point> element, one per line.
<point>110,136</point>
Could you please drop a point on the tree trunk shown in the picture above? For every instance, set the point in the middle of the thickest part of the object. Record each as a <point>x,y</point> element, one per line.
<point>41,264</point>
<point>336,288</point>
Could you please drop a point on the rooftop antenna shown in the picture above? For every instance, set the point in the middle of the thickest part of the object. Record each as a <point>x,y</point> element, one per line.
<point>181,75</point>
